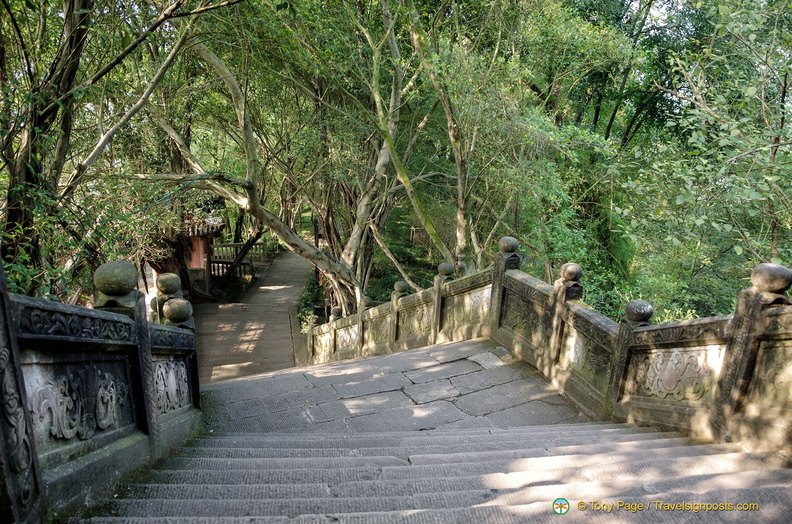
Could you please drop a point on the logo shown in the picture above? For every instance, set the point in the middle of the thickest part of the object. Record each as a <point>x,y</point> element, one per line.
<point>560,506</point>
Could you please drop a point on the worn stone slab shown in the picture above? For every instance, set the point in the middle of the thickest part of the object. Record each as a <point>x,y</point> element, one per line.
<point>276,403</point>
<point>448,370</point>
<point>459,350</point>
<point>289,420</point>
<point>379,384</point>
<point>466,423</point>
<point>494,377</point>
<point>535,412</point>
<point>503,396</point>
<point>413,418</point>
<point>243,507</point>
<point>369,368</point>
<point>431,391</point>
<point>487,360</point>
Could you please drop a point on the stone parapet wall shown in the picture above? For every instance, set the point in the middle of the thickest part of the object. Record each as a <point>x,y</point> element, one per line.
<point>452,310</point>
<point>722,378</point>
<point>87,395</point>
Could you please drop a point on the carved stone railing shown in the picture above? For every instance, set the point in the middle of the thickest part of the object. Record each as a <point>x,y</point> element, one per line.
<point>451,310</point>
<point>723,378</point>
<point>87,395</point>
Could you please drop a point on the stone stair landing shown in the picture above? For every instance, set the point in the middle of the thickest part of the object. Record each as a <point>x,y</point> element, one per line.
<point>467,385</point>
<point>456,433</point>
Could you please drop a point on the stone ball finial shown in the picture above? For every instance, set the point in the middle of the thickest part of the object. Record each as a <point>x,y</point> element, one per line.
<point>168,283</point>
<point>337,312</point>
<point>772,278</point>
<point>639,310</point>
<point>446,269</point>
<point>400,286</point>
<point>508,244</point>
<point>177,310</point>
<point>116,278</point>
<point>571,271</point>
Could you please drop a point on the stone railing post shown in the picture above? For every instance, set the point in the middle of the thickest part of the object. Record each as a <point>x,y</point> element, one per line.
<point>365,304</point>
<point>115,285</point>
<point>400,289</point>
<point>566,288</point>
<point>445,273</point>
<point>637,314</point>
<point>21,483</point>
<point>310,340</point>
<point>506,259</point>
<point>335,314</point>
<point>769,285</point>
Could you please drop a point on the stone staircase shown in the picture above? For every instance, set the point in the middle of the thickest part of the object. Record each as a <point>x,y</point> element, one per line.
<point>275,454</point>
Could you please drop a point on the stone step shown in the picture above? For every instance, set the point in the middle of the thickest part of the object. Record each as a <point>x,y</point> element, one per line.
<point>776,497</point>
<point>248,507</point>
<point>360,441</point>
<point>596,453</point>
<point>528,469</point>
<point>266,464</point>
<point>387,457</point>
<point>506,474</point>
<point>224,491</point>
<point>595,491</point>
<point>461,491</point>
<point>429,433</point>
<point>279,476</point>
<point>485,514</point>
<point>509,447</point>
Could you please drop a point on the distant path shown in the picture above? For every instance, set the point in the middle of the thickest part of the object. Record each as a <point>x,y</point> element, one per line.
<point>236,340</point>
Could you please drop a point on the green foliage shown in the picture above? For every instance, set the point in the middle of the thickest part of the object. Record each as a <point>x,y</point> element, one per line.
<point>306,304</point>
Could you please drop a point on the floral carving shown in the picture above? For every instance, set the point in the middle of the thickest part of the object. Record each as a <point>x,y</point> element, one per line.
<point>162,337</point>
<point>592,331</point>
<point>677,374</point>
<point>37,321</point>
<point>81,403</point>
<point>414,321</point>
<point>681,334</point>
<point>347,338</point>
<point>466,308</point>
<point>15,430</point>
<point>172,385</point>
<point>377,329</point>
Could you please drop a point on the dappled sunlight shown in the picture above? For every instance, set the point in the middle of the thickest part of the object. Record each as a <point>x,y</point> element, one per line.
<point>230,370</point>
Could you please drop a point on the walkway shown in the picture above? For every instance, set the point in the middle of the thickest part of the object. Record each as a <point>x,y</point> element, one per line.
<point>462,385</point>
<point>236,340</point>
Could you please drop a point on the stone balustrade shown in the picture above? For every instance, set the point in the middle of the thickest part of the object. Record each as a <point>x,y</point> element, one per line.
<point>723,378</point>
<point>90,394</point>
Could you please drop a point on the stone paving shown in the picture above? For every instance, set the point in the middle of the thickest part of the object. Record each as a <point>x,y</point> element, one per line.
<point>256,336</point>
<point>462,385</point>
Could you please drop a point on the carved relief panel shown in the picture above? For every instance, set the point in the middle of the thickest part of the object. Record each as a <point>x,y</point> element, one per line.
<point>588,359</point>
<point>771,385</point>
<point>466,308</point>
<point>415,321</point>
<point>528,319</point>
<point>346,339</point>
<point>172,385</point>
<point>75,401</point>
<point>23,485</point>
<point>376,330</point>
<point>680,374</point>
